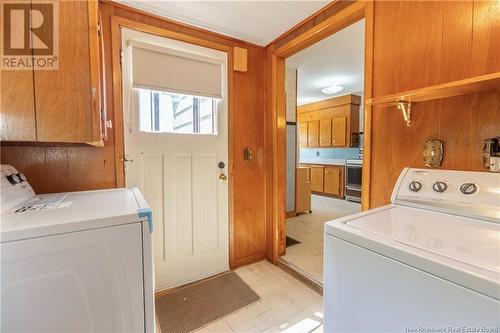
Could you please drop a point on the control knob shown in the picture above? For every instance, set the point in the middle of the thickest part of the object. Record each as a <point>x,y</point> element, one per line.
<point>415,186</point>
<point>13,179</point>
<point>468,188</point>
<point>440,187</point>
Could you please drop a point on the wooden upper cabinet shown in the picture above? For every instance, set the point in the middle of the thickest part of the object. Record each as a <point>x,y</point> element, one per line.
<point>61,105</point>
<point>339,131</point>
<point>325,132</point>
<point>303,134</point>
<point>313,133</point>
<point>333,181</point>
<point>337,120</point>
<point>67,100</point>
<point>17,110</point>
<point>316,179</point>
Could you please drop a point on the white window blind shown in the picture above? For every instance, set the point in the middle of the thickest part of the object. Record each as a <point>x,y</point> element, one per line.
<point>175,71</point>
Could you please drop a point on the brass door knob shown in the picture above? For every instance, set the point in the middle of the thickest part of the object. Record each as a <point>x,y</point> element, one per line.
<point>222,177</point>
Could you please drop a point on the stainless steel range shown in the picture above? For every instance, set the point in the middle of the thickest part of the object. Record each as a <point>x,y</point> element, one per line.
<point>353,172</point>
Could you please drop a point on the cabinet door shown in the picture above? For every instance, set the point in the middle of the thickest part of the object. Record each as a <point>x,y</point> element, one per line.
<point>17,116</point>
<point>325,132</point>
<point>317,179</point>
<point>303,134</point>
<point>66,100</point>
<point>332,181</point>
<point>339,131</point>
<point>313,133</point>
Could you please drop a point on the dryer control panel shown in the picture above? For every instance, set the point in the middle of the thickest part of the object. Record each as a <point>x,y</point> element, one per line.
<point>466,193</point>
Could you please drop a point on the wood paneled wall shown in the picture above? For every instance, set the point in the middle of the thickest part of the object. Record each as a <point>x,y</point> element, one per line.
<point>56,169</point>
<point>417,44</point>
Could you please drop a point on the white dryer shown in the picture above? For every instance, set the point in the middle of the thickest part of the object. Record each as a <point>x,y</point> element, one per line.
<point>428,262</point>
<point>78,261</point>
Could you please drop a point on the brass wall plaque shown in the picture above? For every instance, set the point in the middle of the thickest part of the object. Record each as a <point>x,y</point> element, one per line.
<point>433,153</point>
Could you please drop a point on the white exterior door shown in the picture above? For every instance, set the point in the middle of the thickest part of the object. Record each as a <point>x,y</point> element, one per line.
<point>182,176</point>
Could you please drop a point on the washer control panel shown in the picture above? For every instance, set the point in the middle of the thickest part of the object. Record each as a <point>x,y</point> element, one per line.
<point>15,188</point>
<point>450,190</point>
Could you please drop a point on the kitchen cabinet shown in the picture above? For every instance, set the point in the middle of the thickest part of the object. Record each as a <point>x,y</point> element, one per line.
<point>316,176</point>
<point>326,179</point>
<point>303,190</point>
<point>302,134</point>
<point>17,110</point>
<point>313,133</point>
<point>331,123</point>
<point>333,181</point>
<point>63,105</point>
<point>325,132</point>
<point>339,131</point>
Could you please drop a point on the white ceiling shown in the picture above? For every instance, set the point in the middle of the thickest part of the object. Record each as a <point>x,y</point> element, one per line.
<point>257,21</point>
<point>338,59</point>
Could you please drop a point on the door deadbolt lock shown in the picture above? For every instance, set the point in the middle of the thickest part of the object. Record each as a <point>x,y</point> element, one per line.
<point>223,177</point>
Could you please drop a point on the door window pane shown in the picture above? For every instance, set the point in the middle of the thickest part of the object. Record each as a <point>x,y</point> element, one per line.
<point>175,113</point>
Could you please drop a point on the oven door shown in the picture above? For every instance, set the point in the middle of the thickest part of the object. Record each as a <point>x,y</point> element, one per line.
<point>353,176</point>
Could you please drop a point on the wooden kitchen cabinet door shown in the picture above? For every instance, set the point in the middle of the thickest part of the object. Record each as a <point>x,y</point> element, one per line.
<point>313,133</point>
<point>317,179</point>
<point>303,134</point>
<point>17,116</point>
<point>67,100</point>
<point>339,131</point>
<point>333,181</point>
<point>325,132</point>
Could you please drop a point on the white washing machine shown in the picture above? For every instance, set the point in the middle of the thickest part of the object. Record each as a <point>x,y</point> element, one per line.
<point>428,262</point>
<point>74,262</point>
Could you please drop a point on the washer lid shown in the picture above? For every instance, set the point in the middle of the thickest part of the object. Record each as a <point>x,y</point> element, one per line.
<point>51,214</point>
<point>431,241</point>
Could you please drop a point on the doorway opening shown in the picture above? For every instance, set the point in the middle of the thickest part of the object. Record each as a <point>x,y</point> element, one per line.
<point>324,98</point>
<point>175,133</point>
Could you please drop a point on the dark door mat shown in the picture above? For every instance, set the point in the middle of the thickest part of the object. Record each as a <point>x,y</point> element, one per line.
<point>291,242</point>
<point>199,304</point>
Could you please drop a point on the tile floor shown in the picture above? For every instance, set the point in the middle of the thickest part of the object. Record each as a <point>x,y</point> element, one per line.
<point>308,229</point>
<point>286,305</point>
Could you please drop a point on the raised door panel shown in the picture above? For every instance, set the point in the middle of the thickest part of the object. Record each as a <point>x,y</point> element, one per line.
<point>339,131</point>
<point>313,133</point>
<point>325,132</point>
<point>303,134</point>
<point>317,179</point>
<point>65,99</point>
<point>332,181</point>
<point>17,111</point>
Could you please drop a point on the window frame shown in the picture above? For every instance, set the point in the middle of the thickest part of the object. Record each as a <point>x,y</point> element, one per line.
<point>195,121</point>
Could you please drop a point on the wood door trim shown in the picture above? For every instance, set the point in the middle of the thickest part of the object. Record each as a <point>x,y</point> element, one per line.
<point>116,24</point>
<point>276,60</point>
<point>336,22</point>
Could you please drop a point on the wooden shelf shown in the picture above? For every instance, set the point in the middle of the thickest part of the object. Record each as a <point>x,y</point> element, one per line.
<point>450,89</point>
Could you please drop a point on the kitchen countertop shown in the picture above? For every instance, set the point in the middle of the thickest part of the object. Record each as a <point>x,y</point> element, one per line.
<point>323,161</point>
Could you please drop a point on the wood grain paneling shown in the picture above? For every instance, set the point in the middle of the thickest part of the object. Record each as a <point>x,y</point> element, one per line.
<point>452,41</point>
<point>55,169</point>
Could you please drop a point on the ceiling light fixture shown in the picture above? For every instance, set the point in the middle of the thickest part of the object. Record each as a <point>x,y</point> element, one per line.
<point>332,89</point>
